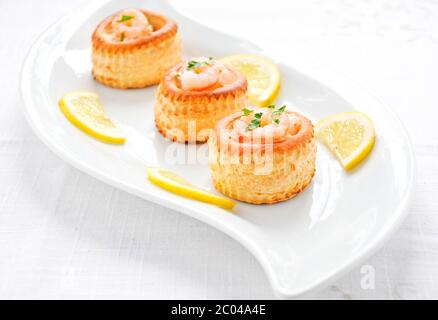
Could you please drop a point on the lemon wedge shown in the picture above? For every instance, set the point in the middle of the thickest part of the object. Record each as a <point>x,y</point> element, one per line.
<point>262,74</point>
<point>350,136</point>
<point>177,184</point>
<point>85,111</point>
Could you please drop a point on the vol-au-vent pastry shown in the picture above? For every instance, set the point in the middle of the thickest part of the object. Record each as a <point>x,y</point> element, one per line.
<point>134,48</point>
<point>262,155</point>
<point>194,95</point>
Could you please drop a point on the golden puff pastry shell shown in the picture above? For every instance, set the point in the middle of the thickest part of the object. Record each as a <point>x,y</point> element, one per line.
<point>279,177</point>
<point>188,116</point>
<point>136,63</point>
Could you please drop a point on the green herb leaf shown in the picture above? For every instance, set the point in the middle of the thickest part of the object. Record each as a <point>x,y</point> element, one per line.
<point>122,37</point>
<point>125,18</point>
<point>279,111</point>
<point>255,123</point>
<point>247,111</point>
<point>193,64</point>
<point>272,106</point>
<point>276,121</point>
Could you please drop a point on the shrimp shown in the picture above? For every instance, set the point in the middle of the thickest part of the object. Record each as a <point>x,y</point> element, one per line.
<point>226,76</point>
<point>199,78</point>
<point>268,129</point>
<point>202,73</point>
<point>130,24</point>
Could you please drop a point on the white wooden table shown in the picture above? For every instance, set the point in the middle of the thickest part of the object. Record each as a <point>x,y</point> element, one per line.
<point>64,234</point>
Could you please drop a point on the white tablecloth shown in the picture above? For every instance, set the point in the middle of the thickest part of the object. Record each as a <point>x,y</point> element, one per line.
<point>64,234</point>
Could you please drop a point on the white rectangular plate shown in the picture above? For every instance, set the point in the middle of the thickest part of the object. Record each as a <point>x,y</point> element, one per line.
<point>303,243</point>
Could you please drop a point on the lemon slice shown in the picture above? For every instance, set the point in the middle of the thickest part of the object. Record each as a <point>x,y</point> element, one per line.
<point>85,111</point>
<point>263,77</point>
<point>176,184</point>
<point>350,136</point>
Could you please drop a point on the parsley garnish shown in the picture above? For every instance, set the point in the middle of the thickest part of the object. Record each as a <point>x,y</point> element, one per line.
<point>272,106</point>
<point>255,123</point>
<point>247,111</point>
<point>193,64</point>
<point>122,37</point>
<point>279,111</point>
<point>125,18</point>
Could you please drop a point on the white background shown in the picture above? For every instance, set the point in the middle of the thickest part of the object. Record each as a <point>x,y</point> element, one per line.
<point>64,234</point>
